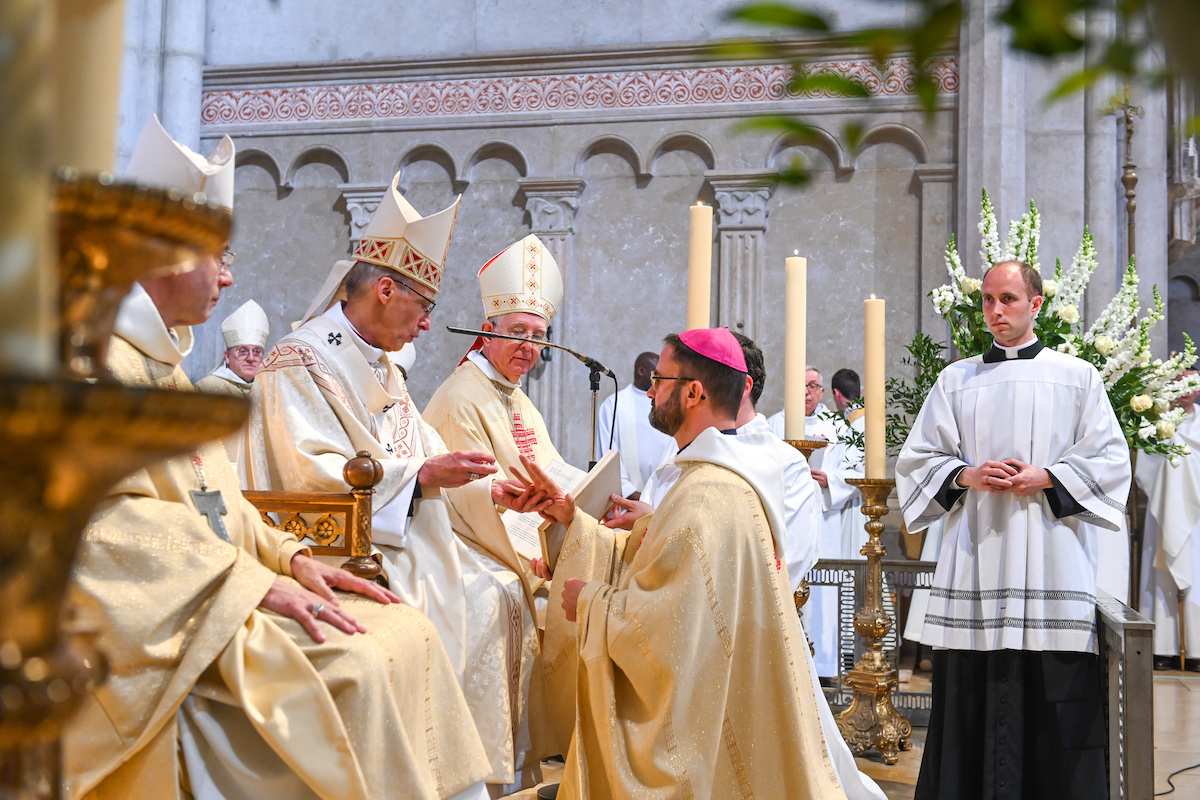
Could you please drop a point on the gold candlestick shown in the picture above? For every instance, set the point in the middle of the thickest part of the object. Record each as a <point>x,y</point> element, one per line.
<point>871,721</point>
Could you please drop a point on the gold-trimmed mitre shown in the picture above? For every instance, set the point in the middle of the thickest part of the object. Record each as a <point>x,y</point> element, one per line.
<point>524,277</point>
<point>160,161</point>
<point>246,326</point>
<point>399,238</point>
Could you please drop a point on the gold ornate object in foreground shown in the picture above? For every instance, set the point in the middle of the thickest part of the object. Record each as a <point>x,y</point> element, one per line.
<point>871,721</point>
<point>807,447</point>
<point>111,234</point>
<point>66,441</point>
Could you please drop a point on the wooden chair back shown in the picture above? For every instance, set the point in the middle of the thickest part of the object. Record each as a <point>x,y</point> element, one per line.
<point>342,525</point>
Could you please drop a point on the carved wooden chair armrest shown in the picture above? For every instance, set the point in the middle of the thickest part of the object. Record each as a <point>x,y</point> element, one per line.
<point>343,519</point>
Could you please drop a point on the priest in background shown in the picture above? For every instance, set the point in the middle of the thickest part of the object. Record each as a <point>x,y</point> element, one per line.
<point>696,613</point>
<point>482,406</point>
<point>640,444</point>
<point>235,669</point>
<point>245,332</point>
<point>330,389</point>
<point>1171,551</point>
<point>1021,455</point>
<point>847,394</point>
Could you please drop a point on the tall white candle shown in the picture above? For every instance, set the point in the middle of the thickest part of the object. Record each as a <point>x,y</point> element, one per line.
<point>28,277</point>
<point>87,58</point>
<point>795,346</point>
<point>874,380</point>
<point>699,296</point>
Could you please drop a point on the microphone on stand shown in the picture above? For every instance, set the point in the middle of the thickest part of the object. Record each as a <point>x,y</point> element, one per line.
<point>590,362</point>
<point>597,369</point>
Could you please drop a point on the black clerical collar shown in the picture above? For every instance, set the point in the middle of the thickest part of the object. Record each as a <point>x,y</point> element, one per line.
<point>1001,353</point>
<point>726,431</point>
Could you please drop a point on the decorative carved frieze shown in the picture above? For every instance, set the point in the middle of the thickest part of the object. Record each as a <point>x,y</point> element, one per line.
<point>568,92</point>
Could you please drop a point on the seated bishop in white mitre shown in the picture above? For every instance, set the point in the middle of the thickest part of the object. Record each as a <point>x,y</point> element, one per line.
<point>228,676</point>
<point>329,390</point>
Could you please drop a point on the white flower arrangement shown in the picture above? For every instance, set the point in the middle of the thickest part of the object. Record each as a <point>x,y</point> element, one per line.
<point>1141,390</point>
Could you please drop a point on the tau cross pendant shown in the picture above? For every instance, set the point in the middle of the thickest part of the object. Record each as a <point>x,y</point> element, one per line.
<point>210,505</point>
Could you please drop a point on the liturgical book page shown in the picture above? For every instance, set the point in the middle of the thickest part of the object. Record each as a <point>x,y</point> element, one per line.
<point>591,495</point>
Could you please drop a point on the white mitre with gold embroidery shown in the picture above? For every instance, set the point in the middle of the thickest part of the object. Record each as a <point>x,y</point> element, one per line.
<point>246,326</point>
<point>158,160</point>
<point>399,238</point>
<point>524,277</point>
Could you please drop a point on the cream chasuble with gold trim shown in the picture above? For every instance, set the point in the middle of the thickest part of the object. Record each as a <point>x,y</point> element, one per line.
<point>318,401</point>
<point>692,680</point>
<point>177,608</point>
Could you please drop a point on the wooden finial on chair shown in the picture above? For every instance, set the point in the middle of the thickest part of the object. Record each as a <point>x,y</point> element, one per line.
<point>363,471</point>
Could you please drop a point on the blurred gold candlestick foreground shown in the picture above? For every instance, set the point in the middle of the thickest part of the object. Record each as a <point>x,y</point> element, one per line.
<point>871,721</point>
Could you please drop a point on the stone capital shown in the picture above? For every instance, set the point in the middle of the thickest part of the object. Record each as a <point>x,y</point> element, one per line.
<point>362,199</point>
<point>742,199</point>
<point>551,203</point>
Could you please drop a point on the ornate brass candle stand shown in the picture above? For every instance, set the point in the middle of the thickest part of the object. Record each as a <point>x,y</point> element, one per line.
<point>808,447</point>
<point>871,721</point>
<point>66,440</point>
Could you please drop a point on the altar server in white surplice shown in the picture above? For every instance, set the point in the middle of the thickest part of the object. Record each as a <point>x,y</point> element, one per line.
<point>1171,552</point>
<point>1021,455</point>
<point>638,442</point>
<point>330,389</point>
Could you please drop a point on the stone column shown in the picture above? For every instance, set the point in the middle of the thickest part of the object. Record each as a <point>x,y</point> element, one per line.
<point>552,203</point>
<point>933,185</point>
<point>742,210</point>
<point>362,199</point>
<point>992,107</point>
<point>184,26</point>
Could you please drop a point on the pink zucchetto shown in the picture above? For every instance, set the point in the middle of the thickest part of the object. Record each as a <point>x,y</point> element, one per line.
<point>717,344</point>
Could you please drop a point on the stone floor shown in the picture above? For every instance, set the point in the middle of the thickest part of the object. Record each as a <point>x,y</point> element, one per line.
<point>1176,745</point>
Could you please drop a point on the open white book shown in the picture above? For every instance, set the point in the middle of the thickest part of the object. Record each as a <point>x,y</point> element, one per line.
<point>534,537</point>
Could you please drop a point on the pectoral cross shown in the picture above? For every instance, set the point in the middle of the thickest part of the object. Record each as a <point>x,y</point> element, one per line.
<point>210,505</point>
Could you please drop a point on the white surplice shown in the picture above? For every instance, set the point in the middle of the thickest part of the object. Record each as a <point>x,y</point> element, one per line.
<point>800,513</point>
<point>324,394</point>
<point>1010,574</point>
<point>1170,553</point>
<point>639,442</point>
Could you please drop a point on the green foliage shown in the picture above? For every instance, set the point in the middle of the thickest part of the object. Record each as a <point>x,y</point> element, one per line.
<point>926,358</point>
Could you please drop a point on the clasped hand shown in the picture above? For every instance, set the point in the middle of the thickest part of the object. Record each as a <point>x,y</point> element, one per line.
<point>317,581</point>
<point>451,470</point>
<point>1010,476</point>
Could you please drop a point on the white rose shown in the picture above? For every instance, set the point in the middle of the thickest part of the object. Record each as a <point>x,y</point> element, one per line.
<point>1049,288</point>
<point>1146,431</point>
<point>1104,345</point>
<point>1141,402</point>
<point>1166,429</point>
<point>1069,314</point>
<point>971,285</point>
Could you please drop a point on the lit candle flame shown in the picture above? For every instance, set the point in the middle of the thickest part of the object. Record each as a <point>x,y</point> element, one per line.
<point>872,297</point>
<point>795,252</point>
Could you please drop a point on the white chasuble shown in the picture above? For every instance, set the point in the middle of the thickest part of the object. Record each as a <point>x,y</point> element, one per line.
<point>477,409</point>
<point>373,715</point>
<point>324,394</point>
<point>1011,574</point>
<point>692,679</point>
<point>1170,552</point>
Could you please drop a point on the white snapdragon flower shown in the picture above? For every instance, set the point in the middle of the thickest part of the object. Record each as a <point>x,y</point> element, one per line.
<point>1166,429</point>
<point>1176,461</point>
<point>1104,345</point>
<point>1144,359</point>
<point>1069,348</point>
<point>1069,314</point>
<point>1161,405</point>
<point>1147,431</point>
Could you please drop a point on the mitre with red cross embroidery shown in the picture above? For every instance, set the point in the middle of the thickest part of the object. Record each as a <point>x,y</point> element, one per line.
<point>524,277</point>
<point>400,238</point>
